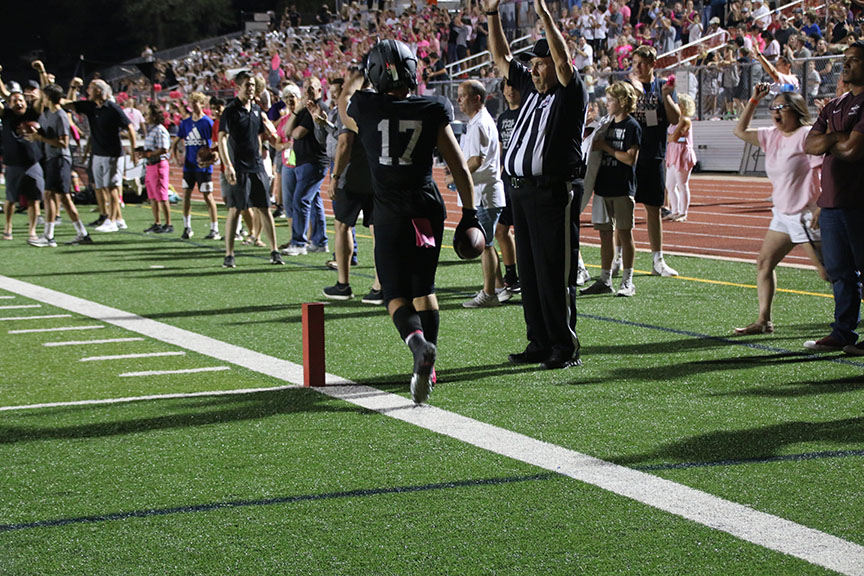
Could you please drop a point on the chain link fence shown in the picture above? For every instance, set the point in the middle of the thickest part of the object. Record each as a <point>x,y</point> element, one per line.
<point>720,90</point>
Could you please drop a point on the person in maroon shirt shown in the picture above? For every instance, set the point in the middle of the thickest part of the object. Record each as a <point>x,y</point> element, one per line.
<point>839,135</point>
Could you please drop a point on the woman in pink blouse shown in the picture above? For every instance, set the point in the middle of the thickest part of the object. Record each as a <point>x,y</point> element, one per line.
<point>794,177</point>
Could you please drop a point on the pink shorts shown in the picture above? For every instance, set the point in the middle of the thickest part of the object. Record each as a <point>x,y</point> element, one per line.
<point>156,181</point>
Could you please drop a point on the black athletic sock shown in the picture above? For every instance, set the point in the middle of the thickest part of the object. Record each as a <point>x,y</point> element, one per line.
<point>510,270</point>
<point>407,321</point>
<point>430,320</point>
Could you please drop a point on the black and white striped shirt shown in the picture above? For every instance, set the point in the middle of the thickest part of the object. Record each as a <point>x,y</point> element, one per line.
<point>546,140</point>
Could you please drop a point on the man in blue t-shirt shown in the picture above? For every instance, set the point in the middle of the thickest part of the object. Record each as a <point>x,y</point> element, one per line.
<point>196,133</point>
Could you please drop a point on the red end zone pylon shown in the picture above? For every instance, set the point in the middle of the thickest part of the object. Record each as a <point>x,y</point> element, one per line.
<point>313,344</point>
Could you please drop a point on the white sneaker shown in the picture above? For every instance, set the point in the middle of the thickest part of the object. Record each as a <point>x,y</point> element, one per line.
<point>42,242</point>
<point>107,226</point>
<point>503,294</point>
<point>295,251</point>
<point>616,268</point>
<point>121,224</point>
<point>660,268</point>
<point>627,289</point>
<point>482,300</point>
<point>582,276</point>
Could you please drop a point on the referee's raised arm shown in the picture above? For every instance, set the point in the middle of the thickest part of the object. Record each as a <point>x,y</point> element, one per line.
<point>498,45</point>
<point>557,46</point>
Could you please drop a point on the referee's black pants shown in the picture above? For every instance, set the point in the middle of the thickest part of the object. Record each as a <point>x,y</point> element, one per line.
<point>547,241</point>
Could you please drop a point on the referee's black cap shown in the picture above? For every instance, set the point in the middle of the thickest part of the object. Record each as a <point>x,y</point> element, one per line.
<point>540,50</point>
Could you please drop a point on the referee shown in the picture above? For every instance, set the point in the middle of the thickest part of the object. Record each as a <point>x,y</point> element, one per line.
<point>545,166</point>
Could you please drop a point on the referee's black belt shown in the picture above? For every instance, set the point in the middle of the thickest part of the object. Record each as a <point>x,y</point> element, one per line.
<point>517,182</point>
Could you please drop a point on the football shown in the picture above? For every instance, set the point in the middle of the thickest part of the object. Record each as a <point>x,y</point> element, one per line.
<point>206,156</point>
<point>470,244</point>
<point>28,128</point>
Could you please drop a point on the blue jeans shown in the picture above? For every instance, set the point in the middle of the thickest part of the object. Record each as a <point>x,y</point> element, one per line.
<point>307,199</point>
<point>843,252</point>
<point>289,184</point>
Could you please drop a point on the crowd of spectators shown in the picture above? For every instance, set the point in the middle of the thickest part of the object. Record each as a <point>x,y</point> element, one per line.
<point>720,70</point>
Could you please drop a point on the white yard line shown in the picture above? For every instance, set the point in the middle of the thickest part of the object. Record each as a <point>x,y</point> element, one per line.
<point>6,297</point>
<point>760,528</point>
<point>125,356</point>
<point>37,317</point>
<point>83,342</point>
<point>129,399</point>
<point>168,372</point>
<point>20,306</point>
<point>61,329</point>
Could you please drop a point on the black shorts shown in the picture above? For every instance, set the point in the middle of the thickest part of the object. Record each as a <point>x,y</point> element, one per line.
<point>58,175</point>
<point>204,180</point>
<point>404,269</point>
<point>651,183</point>
<point>26,182</point>
<point>506,218</point>
<point>251,191</point>
<point>347,206</point>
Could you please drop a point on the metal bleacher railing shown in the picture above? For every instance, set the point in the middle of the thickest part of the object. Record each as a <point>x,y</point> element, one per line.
<point>127,69</point>
<point>712,42</point>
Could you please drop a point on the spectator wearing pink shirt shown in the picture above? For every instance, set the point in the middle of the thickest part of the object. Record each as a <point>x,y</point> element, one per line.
<point>795,178</point>
<point>135,115</point>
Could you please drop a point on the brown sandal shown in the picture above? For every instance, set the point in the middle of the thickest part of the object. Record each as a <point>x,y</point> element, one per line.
<point>756,328</point>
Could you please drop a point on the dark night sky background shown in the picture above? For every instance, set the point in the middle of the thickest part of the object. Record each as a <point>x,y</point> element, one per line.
<point>104,32</point>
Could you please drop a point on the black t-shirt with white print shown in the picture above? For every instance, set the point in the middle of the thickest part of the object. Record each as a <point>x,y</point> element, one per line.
<point>615,178</point>
<point>506,122</point>
<point>651,115</point>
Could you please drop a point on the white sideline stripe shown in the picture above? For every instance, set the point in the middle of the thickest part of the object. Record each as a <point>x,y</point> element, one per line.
<point>129,399</point>
<point>166,372</point>
<point>759,528</point>
<point>124,356</point>
<point>20,306</point>
<point>37,317</point>
<point>82,342</point>
<point>61,329</point>
<point>738,520</point>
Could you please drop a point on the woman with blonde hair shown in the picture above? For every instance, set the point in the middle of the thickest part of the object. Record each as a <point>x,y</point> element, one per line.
<point>795,180</point>
<point>680,159</point>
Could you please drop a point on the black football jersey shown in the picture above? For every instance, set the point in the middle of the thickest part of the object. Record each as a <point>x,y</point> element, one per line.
<point>399,136</point>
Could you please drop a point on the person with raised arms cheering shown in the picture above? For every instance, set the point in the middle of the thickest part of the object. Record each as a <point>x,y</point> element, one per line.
<point>545,165</point>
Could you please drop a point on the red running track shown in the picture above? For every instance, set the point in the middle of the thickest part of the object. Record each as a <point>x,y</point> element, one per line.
<point>728,218</point>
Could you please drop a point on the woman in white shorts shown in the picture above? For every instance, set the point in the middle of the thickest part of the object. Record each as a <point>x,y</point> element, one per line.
<point>794,177</point>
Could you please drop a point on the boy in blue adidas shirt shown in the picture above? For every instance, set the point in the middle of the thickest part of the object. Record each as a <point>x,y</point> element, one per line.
<point>196,132</point>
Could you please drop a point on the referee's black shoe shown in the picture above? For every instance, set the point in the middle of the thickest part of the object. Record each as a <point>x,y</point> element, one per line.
<point>529,356</point>
<point>558,360</point>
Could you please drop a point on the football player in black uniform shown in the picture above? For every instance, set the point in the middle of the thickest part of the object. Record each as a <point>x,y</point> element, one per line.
<point>399,133</point>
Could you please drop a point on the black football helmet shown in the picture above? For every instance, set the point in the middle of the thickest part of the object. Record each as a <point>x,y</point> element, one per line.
<point>391,65</point>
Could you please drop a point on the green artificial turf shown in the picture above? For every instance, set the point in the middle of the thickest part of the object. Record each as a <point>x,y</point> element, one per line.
<point>664,387</point>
